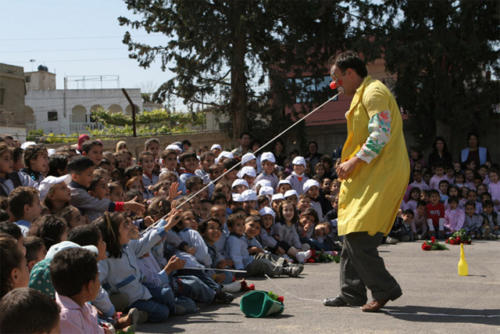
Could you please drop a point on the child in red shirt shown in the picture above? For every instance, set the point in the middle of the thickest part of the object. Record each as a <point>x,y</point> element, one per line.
<point>435,214</point>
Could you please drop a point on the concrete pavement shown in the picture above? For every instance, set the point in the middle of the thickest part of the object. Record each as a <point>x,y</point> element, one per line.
<point>435,299</point>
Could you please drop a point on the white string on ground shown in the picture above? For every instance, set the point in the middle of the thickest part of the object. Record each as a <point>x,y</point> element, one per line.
<point>286,292</point>
<point>239,163</point>
<point>445,314</point>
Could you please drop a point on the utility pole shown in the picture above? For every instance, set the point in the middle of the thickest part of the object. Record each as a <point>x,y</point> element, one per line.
<point>132,105</point>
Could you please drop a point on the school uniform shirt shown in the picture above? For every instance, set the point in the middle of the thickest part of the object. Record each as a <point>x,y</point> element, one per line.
<point>434,182</point>
<point>289,235</point>
<point>123,274</point>
<point>193,238</point>
<point>205,177</point>
<point>147,181</point>
<point>494,190</point>
<point>319,210</point>
<point>152,273</point>
<point>77,319</point>
<point>270,177</point>
<point>420,185</point>
<point>89,205</point>
<point>182,182</point>
<point>435,212</point>
<point>267,237</point>
<point>297,182</point>
<point>411,204</point>
<point>454,219</point>
<point>237,250</point>
<point>473,224</point>
<point>24,225</point>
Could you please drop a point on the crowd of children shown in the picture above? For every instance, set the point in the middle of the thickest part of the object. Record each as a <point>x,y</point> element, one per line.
<point>94,241</point>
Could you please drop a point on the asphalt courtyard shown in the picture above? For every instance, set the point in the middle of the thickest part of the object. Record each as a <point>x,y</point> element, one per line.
<point>435,299</point>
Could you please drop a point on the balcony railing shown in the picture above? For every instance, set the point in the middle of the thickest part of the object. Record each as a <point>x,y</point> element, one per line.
<point>82,126</point>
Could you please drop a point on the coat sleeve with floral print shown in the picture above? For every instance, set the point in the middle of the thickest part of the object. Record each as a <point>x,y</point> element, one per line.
<point>379,128</point>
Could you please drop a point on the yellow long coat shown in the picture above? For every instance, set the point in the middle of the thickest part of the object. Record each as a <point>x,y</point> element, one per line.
<point>370,198</point>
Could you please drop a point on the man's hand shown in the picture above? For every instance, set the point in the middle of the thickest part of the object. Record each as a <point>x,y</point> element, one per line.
<point>174,264</point>
<point>134,206</point>
<point>191,250</point>
<point>345,169</point>
<point>148,221</point>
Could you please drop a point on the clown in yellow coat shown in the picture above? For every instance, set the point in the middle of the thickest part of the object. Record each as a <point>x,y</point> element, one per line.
<point>374,171</point>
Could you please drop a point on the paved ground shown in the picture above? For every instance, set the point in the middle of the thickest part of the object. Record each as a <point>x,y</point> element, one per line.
<point>435,299</point>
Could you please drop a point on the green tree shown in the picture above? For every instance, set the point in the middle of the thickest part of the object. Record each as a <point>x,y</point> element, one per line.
<point>221,51</point>
<point>445,55</point>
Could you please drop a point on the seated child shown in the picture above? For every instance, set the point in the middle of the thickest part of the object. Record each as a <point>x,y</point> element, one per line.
<point>81,169</point>
<point>51,229</point>
<point>24,205</point>
<point>454,216</point>
<point>287,235</point>
<point>311,189</point>
<point>435,214</point>
<point>491,225</point>
<point>26,310</point>
<point>76,280</point>
<point>261,263</point>
<point>305,228</point>
<point>267,231</point>
<point>298,178</point>
<point>473,222</point>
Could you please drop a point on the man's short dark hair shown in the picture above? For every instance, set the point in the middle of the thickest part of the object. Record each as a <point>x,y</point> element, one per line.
<point>88,234</point>
<point>80,164</point>
<point>187,154</point>
<point>193,181</point>
<point>87,146</point>
<point>26,310</point>
<point>71,269</point>
<point>349,59</point>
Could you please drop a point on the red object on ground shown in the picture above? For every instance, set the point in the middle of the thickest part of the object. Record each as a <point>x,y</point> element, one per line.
<point>281,299</point>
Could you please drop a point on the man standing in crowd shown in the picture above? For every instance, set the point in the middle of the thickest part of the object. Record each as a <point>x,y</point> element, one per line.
<point>374,173</point>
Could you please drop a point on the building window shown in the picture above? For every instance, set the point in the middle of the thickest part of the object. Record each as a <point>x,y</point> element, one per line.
<point>52,115</point>
<point>27,78</point>
<point>2,93</point>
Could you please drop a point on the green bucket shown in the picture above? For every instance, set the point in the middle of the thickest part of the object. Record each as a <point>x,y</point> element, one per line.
<point>258,304</point>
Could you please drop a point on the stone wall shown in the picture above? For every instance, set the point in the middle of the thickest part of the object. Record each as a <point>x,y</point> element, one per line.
<point>136,144</point>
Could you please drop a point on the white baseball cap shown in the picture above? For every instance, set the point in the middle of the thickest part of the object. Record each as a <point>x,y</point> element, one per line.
<point>267,156</point>
<point>277,197</point>
<point>284,182</point>
<point>290,193</point>
<point>309,184</point>
<point>174,147</point>
<point>298,160</point>
<point>216,147</point>
<point>247,157</point>
<point>27,144</point>
<point>49,181</point>
<point>239,182</point>
<point>267,211</point>
<point>247,170</point>
<point>249,195</point>
<point>263,183</point>
<point>236,197</point>
<point>224,154</point>
<point>54,249</point>
<point>266,191</point>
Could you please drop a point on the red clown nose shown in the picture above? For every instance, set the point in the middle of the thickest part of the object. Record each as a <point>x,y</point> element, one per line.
<point>335,84</point>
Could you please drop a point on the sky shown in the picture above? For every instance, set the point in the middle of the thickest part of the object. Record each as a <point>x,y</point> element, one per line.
<point>75,38</point>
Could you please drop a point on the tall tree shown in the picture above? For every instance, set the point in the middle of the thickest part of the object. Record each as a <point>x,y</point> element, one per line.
<point>445,55</point>
<point>222,50</point>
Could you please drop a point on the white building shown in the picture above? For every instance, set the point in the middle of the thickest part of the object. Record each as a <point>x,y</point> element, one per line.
<point>67,111</point>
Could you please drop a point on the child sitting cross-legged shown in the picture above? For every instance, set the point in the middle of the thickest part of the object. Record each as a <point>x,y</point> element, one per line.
<point>240,243</point>
<point>287,234</point>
